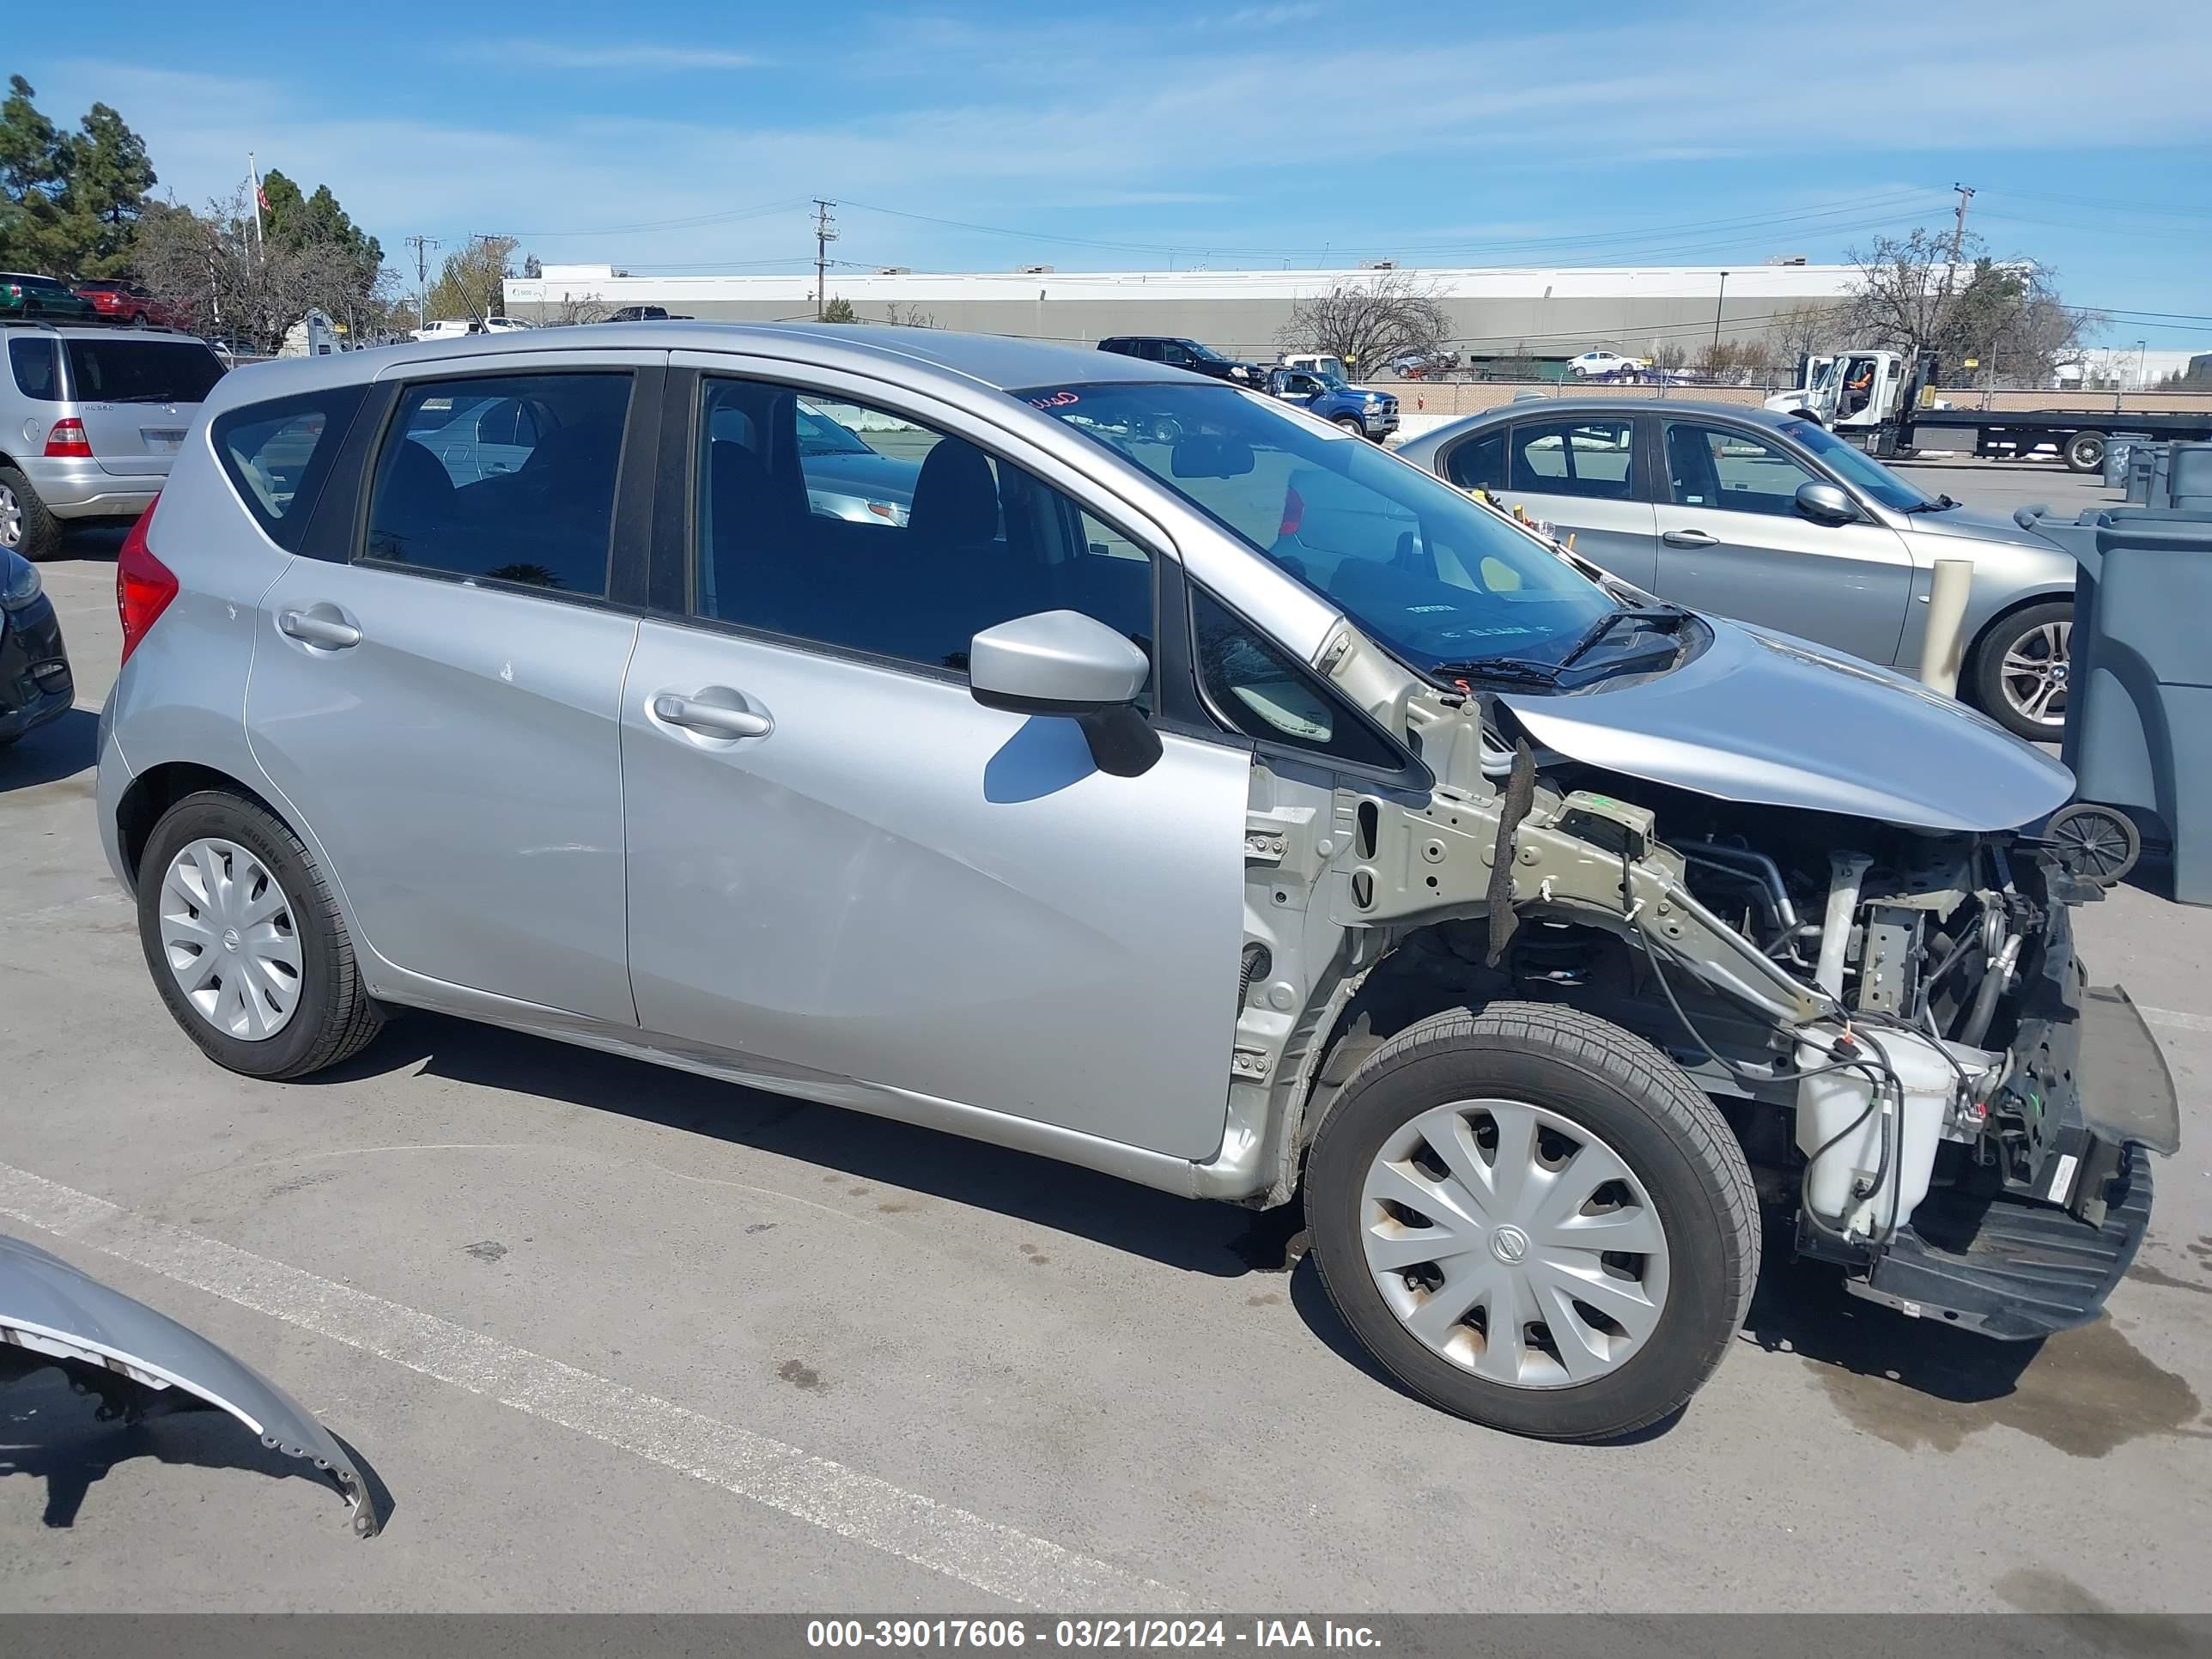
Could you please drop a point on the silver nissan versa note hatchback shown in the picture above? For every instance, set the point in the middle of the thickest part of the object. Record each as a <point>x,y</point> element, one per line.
<point>1165,782</point>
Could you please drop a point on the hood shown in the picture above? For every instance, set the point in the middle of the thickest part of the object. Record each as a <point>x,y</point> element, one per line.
<point>1964,521</point>
<point>1764,718</point>
<point>121,1349</point>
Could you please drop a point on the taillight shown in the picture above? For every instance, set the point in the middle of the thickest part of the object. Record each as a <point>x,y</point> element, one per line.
<point>67,440</point>
<point>143,585</point>
<point>1294,512</point>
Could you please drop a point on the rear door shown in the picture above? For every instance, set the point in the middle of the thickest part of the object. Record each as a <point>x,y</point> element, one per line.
<point>438,697</point>
<point>1732,542</point>
<point>1583,475</point>
<point>135,394</point>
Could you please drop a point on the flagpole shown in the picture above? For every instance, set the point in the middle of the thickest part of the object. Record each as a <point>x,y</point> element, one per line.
<point>253,171</point>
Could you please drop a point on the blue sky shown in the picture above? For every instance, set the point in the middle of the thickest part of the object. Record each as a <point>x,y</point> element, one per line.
<point>1215,132</point>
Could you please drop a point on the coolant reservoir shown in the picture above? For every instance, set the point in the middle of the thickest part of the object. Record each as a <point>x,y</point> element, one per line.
<point>1827,1107</point>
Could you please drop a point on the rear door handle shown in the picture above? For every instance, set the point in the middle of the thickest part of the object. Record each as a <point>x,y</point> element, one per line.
<point>323,630</point>
<point>1690,538</point>
<point>709,715</point>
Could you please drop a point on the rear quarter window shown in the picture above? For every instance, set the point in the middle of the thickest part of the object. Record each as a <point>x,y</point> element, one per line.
<point>36,366</point>
<point>278,454</point>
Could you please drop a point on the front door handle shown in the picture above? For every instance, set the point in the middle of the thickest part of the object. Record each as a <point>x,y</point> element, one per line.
<point>708,715</point>
<point>312,629</point>
<point>1690,538</point>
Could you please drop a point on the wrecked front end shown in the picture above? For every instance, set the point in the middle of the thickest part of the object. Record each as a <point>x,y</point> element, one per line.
<point>1888,1009</point>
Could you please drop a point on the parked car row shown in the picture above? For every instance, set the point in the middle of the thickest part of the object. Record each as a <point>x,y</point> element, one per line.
<point>25,296</point>
<point>1174,691</point>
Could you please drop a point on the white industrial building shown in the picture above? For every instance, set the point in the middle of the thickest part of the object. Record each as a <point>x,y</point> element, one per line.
<point>1555,313</point>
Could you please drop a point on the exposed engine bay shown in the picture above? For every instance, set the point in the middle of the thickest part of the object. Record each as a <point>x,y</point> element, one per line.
<point>1891,1017</point>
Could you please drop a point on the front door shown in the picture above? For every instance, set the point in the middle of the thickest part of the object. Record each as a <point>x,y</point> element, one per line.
<point>441,710</point>
<point>1731,541</point>
<point>1579,474</point>
<point>842,866</point>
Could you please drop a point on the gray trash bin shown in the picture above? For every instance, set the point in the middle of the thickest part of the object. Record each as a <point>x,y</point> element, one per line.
<point>2142,462</point>
<point>2139,706</point>
<point>2118,447</point>
<point>2189,477</point>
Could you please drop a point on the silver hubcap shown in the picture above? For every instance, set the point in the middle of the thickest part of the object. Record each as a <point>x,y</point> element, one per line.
<point>1515,1243</point>
<point>2036,665</point>
<point>227,933</point>
<point>11,518</point>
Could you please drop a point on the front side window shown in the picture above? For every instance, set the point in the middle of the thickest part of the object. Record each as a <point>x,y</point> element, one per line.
<point>510,477</point>
<point>1578,457</point>
<point>1725,467</point>
<point>278,454</point>
<point>1431,576</point>
<point>866,530</point>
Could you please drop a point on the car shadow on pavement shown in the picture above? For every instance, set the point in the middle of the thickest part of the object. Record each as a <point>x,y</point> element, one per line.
<point>1194,1235</point>
<point>50,1432</point>
<point>60,749</point>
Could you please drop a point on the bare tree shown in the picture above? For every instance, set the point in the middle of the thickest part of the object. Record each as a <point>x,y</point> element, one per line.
<point>2003,314</point>
<point>1801,330</point>
<point>570,310</point>
<point>1669,355</point>
<point>1727,361</point>
<point>901,316</point>
<point>1903,291</point>
<point>239,286</point>
<point>1371,321</point>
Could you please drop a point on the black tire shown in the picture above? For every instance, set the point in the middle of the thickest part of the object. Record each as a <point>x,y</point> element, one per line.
<point>2098,843</point>
<point>2084,451</point>
<point>1651,1116</point>
<point>138,319</point>
<point>1988,678</point>
<point>41,536</point>
<point>335,1017</point>
<point>1353,424</point>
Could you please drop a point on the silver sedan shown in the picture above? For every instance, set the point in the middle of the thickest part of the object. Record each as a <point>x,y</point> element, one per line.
<point>1774,520</point>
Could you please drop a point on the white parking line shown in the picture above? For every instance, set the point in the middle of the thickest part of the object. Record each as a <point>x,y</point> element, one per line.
<point>2180,1022</point>
<point>983,1553</point>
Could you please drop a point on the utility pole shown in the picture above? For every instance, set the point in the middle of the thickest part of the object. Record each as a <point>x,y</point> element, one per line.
<point>421,245</point>
<point>1717,300</point>
<point>825,232</point>
<point>1959,224</point>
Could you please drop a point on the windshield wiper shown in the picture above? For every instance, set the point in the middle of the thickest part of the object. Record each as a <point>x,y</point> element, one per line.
<point>1641,613</point>
<point>1523,669</point>
<point>1940,504</point>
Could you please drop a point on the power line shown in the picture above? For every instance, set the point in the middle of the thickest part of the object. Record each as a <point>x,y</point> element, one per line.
<point>695,221</point>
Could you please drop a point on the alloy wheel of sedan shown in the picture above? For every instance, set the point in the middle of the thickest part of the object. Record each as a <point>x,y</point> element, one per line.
<point>11,519</point>
<point>2034,672</point>
<point>1515,1243</point>
<point>227,933</point>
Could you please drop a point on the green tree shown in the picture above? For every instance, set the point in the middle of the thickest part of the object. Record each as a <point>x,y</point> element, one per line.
<point>68,201</point>
<point>109,176</point>
<point>34,156</point>
<point>472,284</point>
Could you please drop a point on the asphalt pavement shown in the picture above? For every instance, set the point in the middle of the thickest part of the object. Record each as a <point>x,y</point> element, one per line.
<point>616,1338</point>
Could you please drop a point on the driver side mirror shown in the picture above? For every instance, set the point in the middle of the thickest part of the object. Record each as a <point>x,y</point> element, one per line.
<point>1066,664</point>
<point>1825,503</point>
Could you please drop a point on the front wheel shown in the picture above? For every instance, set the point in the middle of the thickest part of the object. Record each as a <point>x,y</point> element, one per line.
<point>1353,425</point>
<point>246,942</point>
<point>1534,1221</point>
<point>2084,451</point>
<point>2023,669</point>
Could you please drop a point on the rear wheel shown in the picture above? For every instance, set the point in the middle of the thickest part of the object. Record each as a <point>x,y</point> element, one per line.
<point>246,942</point>
<point>25,527</point>
<point>1534,1221</point>
<point>2084,451</point>
<point>138,319</point>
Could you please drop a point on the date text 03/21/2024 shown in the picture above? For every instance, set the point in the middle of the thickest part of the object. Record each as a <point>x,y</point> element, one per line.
<point>1088,1633</point>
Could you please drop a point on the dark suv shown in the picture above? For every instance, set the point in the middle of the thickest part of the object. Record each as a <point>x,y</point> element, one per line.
<point>1182,353</point>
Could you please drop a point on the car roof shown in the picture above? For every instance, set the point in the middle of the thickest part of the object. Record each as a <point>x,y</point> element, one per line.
<point>75,330</point>
<point>998,361</point>
<point>1547,407</point>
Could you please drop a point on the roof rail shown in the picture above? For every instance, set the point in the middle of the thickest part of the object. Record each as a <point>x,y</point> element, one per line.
<point>55,325</point>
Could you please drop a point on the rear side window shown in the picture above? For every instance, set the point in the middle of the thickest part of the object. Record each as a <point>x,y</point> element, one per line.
<point>37,368</point>
<point>509,476</point>
<point>1592,457</point>
<point>127,371</point>
<point>1479,462</point>
<point>276,455</point>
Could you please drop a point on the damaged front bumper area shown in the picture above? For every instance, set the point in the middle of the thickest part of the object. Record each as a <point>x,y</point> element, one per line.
<point>2042,1252</point>
<point>139,1362</point>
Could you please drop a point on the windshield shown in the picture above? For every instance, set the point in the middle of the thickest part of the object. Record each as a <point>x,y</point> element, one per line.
<point>820,435</point>
<point>1421,569</point>
<point>1206,352</point>
<point>1856,467</point>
